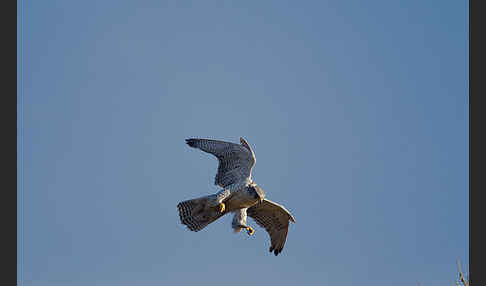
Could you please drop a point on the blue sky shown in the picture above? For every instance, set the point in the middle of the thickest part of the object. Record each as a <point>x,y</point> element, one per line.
<point>357,112</point>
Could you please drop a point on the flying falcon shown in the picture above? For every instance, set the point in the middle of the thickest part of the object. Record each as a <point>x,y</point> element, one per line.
<point>240,195</point>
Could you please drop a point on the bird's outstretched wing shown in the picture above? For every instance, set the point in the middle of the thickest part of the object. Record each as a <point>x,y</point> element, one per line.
<point>235,160</point>
<point>275,219</point>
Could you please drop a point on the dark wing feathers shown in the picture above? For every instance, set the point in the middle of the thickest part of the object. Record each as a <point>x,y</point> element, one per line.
<point>235,160</point>
<point>275,219</point>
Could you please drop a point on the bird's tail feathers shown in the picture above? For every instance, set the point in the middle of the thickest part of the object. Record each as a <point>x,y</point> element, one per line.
<point>196,214</point>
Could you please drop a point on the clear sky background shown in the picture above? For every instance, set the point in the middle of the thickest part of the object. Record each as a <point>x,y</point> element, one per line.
<point>357,112</point>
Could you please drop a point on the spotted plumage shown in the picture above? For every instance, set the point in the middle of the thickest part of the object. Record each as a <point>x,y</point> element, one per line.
<point>240,195</point>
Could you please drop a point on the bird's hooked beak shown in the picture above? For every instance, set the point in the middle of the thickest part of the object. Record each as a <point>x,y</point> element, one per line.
<point>261,193</point>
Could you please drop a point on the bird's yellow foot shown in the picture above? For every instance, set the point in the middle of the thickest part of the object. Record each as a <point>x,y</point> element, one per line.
<point>222,207</point>
<point>250,230</point>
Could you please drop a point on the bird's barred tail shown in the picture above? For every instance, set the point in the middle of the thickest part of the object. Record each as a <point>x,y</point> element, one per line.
<point>196,214</point>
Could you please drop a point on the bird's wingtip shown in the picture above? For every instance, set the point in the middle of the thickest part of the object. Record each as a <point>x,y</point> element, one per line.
<point>191,142</point>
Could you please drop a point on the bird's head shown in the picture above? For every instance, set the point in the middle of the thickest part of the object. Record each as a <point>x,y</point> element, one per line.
<point>257,192</point>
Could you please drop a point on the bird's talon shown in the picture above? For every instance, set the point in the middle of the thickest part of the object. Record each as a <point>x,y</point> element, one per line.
<point>222,207</point>
<point>250,230</point>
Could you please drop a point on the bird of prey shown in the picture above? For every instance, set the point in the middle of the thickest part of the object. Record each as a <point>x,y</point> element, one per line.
<point>240,195</point>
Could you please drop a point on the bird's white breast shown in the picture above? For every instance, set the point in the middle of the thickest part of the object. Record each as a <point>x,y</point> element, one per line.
<point>240,199</point>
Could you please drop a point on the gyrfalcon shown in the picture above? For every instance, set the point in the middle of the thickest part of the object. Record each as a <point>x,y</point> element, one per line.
<point>240,195</point>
